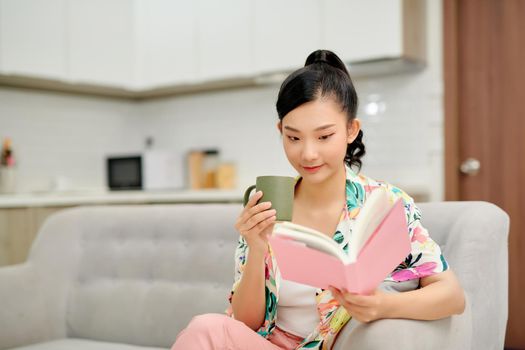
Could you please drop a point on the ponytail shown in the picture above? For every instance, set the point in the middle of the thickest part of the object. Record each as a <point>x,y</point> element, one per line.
<point>355,151</point>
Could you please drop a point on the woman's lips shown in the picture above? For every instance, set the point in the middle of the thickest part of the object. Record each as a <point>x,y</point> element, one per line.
<point>312,169</point>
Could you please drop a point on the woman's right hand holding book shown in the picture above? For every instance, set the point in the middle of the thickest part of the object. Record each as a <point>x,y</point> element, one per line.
<point>255,223</point>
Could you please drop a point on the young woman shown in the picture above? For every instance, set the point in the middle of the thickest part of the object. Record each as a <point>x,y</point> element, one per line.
<point>322,139</point>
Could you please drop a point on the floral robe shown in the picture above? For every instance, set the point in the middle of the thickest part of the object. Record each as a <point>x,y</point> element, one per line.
<point>425,259</point>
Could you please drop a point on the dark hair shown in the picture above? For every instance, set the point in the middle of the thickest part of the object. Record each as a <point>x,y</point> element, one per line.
<point>323,75</point>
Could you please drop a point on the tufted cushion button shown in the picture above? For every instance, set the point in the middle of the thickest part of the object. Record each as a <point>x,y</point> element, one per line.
<point>157,241</point>
<point>122,238</point>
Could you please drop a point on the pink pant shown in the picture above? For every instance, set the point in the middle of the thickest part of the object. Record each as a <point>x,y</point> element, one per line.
<point>220,332</point>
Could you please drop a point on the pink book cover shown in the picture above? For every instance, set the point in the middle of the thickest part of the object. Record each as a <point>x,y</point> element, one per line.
<point>385,249</point>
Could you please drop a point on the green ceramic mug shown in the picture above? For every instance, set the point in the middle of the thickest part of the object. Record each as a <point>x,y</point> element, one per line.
<point>279,190</point>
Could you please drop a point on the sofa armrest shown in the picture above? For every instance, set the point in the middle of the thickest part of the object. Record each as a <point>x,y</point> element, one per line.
<point>451,333</point>
<point>23,309</point>
<point>474,237</point>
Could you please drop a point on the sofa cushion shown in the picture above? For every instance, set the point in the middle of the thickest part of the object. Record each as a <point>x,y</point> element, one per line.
<point>82,344</point>
<point>138,274</point>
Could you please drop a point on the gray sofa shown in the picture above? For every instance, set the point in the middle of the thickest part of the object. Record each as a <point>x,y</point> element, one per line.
<point>131,277</point>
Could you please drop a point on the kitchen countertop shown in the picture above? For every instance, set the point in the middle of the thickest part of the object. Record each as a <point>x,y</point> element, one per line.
<point>71,198</point>
<point>93,197</point>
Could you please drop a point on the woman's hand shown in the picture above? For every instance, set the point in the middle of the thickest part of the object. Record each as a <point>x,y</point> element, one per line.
<point>364,308</point>
<point>255,223</point>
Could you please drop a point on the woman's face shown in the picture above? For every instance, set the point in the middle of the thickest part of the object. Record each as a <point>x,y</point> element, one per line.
<point>315,138</point>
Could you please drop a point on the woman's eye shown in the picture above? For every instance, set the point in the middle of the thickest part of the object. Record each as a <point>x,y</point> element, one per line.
<point>292,138</point>
<point>325,137</point>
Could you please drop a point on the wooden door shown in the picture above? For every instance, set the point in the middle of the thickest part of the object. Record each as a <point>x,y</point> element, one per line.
<point>484,44</point>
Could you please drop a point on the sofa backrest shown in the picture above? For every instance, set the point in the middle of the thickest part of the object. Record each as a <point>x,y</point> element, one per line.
<point>137,274</point>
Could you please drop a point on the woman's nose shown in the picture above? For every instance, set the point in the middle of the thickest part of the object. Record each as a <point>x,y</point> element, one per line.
<point>309,153</point>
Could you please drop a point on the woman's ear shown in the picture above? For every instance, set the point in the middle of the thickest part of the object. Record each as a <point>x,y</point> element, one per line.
<point>353,130</point>
<point>279,127</point>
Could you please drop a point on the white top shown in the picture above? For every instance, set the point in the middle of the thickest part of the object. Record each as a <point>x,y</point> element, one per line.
<point>297,308</point>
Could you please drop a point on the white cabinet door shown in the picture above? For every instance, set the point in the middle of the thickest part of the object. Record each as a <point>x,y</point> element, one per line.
<point>285,33</point>
<point>101,42</point>
<point>166,42</point>
<point>145,44</point>
<point>33,38</point>
<point>359,30</point>
<point>225,39</point>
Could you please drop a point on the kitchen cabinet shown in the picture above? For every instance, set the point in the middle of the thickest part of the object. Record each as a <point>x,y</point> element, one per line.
<point>18,229</point>
<point>363,30</point>
<point>33,38</point>
<point>147,48</point>
<point>101,42</point>
<point>166,42</point>
<point>285,33</point>
<point>225,34</point>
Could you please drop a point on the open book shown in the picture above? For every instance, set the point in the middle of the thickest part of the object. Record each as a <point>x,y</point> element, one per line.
<point>378,244</point>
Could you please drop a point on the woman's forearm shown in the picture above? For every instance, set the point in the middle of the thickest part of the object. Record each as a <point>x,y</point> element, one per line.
<point>248,301</point>
<point>434,301</point>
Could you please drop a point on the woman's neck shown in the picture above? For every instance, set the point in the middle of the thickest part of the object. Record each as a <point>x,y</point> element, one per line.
<point>321,195</point>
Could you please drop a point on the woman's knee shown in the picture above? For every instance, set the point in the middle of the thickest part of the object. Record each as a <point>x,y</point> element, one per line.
<point>207,324</point>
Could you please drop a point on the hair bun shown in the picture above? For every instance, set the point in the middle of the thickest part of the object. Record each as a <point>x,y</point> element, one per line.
<point>326,57</point>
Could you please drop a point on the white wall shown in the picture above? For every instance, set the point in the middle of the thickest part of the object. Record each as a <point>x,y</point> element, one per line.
<point>58,134</point>
<point>407,147</point>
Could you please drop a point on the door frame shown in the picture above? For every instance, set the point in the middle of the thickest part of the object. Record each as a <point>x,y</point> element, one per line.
<point>451,107</point>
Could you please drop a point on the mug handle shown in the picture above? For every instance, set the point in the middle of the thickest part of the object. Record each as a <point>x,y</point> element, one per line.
<point>247,194</point>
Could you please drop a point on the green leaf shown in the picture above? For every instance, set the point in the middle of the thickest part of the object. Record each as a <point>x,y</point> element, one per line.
<point>311,344</point>
<point>338,237</point>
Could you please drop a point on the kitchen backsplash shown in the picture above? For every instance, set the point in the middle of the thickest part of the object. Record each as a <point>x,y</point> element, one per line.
<point>57,134</point>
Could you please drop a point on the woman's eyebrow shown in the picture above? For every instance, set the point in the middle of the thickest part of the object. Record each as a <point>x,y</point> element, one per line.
<point>316,129</point>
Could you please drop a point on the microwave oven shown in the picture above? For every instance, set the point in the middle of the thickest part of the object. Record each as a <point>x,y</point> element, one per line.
<point>151,170</point>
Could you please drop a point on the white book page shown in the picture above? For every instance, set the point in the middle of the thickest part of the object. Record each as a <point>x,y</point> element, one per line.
<point>311,238</point>
<point>376,207</point>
